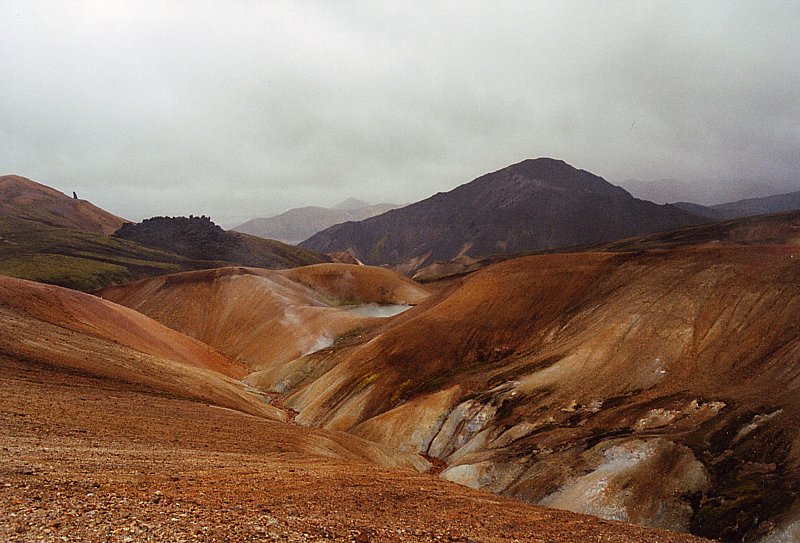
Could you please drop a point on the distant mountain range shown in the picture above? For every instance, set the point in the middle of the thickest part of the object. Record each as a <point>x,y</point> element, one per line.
<point>667,191</point>
<point>533,205</point>
<point>298,224</point>
<point>777,203</point>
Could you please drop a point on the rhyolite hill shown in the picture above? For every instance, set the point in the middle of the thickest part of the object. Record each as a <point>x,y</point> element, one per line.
<point>533,205</point>
<point>22,198</point>
<point>653,380</point>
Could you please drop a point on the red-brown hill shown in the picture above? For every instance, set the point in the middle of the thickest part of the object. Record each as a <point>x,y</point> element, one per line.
<point>264,318</point>
<point>656,386</point>
<point>110,424</point>
<point>654,381</point>
<point>26,199</point>
<point>68,329</point>
<point>97,459</point>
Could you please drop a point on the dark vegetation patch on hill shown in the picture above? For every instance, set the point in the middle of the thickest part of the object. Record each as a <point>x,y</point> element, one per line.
<point>79,260</point>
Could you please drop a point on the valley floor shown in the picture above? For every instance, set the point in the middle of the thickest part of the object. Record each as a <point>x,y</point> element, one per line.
<point>87,459</point>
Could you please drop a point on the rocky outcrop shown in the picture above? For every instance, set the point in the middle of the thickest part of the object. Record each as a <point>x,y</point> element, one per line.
<point>198,238</point>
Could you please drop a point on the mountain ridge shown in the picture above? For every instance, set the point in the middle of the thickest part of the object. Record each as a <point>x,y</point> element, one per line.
<point>23,198</point>
<point>531,205</point>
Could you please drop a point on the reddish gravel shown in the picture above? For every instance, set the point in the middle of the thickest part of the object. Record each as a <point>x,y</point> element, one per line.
<point>88,459</point>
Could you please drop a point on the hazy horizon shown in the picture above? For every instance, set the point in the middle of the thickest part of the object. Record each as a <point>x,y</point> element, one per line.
<point>248,109</point>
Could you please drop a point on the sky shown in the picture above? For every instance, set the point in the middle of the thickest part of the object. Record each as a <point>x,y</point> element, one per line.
<point>240,109</point>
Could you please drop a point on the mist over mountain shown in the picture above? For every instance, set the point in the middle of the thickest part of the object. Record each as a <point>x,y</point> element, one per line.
<point>709,193</point>
<point>298,224</point>
<point>351,203</point>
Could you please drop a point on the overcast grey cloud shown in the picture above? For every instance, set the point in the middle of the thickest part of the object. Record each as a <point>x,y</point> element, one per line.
<point>242,109</point>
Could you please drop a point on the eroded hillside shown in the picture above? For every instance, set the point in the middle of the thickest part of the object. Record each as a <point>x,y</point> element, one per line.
<point>93,459</point>
<point>266,319</point>
<point>116,428</point>
<point>649,385</point>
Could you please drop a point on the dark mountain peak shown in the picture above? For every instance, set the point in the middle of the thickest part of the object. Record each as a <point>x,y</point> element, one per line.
<point>543,168</point>
<point>552,174</point>
<point>534,205</point>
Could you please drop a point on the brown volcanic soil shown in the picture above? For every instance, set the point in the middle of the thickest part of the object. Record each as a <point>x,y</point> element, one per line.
<point>26,199</point>
<point>267,318</point>
<point>530,374</point>
<point>83,333</point>
<point>88,459</point>
<point>560,363</point>
<point>657,383</point>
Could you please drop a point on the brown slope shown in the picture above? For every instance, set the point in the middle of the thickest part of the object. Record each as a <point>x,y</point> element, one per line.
<point>68,329</point>
<point>648,381</point>
<point>530,206</point>
<point>26,199</point>
<point>632,385</point>
<point>267,318</point>
<point>91,459</point>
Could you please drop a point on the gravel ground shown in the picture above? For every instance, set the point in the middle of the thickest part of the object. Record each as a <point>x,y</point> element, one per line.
<point>85,459</point>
